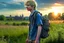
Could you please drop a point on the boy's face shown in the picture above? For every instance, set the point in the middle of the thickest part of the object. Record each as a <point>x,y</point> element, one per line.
<point>29,8</point>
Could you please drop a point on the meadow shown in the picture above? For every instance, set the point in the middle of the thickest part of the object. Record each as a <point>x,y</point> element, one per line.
<point>18,34</point>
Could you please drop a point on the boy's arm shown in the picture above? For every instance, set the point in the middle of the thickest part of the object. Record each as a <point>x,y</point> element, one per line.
<point>39,24</point>
<point>38,32</point>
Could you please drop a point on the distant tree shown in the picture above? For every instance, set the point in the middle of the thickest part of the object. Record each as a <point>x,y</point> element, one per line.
<point>59,16</point>
<point>10,15</point>
<point>62,16</point>
<point>51,15</point>
<point>2,17</point>
<point>10,18</point>
<point>22,16</point>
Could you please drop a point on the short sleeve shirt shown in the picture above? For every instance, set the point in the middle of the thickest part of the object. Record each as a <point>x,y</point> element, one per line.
<point>33,27</point>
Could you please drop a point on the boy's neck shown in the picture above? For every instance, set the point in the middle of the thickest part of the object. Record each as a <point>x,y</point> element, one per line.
<point>32,10</point>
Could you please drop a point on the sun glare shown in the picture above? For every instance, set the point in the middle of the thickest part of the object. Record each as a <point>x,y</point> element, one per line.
<point>56,10</point>
<point>57,4</point>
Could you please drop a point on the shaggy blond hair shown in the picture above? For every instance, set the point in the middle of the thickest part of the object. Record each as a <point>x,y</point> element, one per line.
<point>31,3</point>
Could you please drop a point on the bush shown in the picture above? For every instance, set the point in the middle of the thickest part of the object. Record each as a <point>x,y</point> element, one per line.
<point>14,24</point>
<point>24,23</point>
<point>2,17</point>
<point>0,24</point>
<point>17,24</point>
<point>6,23</point>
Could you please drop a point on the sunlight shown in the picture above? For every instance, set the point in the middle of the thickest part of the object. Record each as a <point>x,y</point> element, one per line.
<point>56,10</point>
<point>57,4</point>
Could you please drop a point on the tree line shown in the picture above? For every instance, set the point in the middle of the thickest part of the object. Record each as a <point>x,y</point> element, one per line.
<point>51,16</point>
<point>58,16</point>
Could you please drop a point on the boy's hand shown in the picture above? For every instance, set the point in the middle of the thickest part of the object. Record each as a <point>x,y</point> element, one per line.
<point>36,41</point>
<point>27,40</point>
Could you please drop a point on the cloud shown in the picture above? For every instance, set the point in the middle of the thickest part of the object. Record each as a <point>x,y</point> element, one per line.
<point>5,0</point>
<point>8,5</point>
<point>3,4</point>
<point>19,0</point>
<point>19,4</point>
<point>14,4</point>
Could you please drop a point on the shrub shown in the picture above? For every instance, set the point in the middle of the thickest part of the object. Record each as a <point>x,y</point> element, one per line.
<point>14,24</point>
<point>24,23</point>
<point>17,24</point>
<point>6,23</point>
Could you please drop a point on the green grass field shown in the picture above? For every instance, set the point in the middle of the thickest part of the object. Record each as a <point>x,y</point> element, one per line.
<point>11,22</point>
<point>13,34</point>
<point>18,34</point>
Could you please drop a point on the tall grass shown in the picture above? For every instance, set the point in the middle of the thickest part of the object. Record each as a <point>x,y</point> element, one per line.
<point>56,34</point>
<point>18,34</point>
<point>13,34</point>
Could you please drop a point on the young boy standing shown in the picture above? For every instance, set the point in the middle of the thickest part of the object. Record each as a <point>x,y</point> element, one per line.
<point>34,27</point>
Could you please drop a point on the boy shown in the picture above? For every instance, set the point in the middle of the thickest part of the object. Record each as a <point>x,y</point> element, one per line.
<point>34,27</point>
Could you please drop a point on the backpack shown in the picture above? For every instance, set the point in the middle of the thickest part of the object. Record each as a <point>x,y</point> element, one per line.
<point>45,26</point>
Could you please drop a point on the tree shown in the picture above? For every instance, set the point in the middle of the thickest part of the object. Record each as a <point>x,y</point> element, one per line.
<point>10,18</point>
<point>2,17</point>
<point>22,16</point>
<point>51,15</point>
<point>59,16</point>
<point>62,16</point>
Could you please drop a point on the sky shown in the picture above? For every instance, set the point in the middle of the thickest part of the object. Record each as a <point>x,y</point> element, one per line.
<point>17,7</point>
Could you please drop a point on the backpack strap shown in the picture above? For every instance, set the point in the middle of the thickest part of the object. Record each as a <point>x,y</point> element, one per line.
<point>35,15</point>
